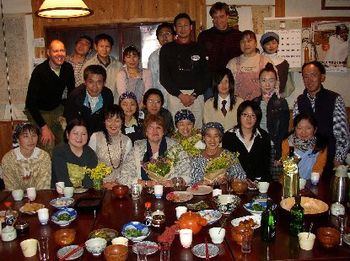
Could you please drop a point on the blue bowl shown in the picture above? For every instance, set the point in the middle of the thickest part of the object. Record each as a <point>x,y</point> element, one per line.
<point>138,226</point>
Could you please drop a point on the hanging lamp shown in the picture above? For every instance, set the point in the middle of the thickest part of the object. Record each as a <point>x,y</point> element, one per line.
<point>63,9</point>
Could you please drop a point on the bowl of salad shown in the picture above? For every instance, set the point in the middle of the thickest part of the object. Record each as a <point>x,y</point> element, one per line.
<point>64,217</point>
<point>257,206</point>
<point>135,231</point>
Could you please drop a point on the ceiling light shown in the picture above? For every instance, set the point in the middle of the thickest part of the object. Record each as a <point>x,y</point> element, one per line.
<point>63,9</point>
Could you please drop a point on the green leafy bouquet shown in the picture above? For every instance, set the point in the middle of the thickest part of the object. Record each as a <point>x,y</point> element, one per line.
<point>217,167</point>
<point>189,144</point>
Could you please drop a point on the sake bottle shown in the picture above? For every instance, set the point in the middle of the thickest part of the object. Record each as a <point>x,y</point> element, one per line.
<point>268,223</point>
<point>296,217</point>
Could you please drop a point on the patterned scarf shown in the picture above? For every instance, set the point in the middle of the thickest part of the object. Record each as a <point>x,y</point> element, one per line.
<point>303,145</point>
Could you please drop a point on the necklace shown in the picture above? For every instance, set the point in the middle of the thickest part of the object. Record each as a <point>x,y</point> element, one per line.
<point>120,156</point>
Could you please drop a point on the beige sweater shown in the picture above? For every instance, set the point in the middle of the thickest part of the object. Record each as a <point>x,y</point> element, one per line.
<point>21,173</point>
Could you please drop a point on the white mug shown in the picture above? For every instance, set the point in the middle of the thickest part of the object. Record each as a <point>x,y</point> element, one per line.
<point>43,215</point>
<point>158,191</point>
<point>68,192</point>
<point>217,192</point>
<point>185,237</point>
<point>17,194</point>
<point>263,186</point>
<point>31,193</point>
<point>180,210</point>
<point>59,187</point>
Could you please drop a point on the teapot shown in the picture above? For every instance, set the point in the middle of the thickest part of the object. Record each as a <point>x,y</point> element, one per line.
<point>340,184</point>
<point>192,221</point>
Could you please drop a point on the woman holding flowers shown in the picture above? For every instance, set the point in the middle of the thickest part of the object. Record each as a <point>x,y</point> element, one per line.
<point>110,145</point>
<point>156,159</point>
<point>189,138</point>
<point>71,159</point>
<point>214,162</point>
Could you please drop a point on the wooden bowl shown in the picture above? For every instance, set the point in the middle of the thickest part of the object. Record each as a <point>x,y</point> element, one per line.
<point>328,236</point>
<point>64,237</point>
<point>116,253</point>
<point>239,186</point>
<point>120,191</point>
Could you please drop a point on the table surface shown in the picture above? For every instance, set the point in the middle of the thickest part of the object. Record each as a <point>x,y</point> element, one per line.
<point>115,212</point>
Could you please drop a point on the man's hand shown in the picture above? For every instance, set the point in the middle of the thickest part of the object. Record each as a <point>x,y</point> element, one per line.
<point>47,136</point>
<point>186,99</point>
<point>337,163</point>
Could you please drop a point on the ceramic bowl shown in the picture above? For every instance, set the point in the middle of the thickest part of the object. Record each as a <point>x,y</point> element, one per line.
<point>60,219</point>
<point>65,236</point>
<point>131,228</point>
<point>96,245</point>
<point>227,203</point>
<point>116,253</point>
<point>120,191</point>
<point>328,236</point>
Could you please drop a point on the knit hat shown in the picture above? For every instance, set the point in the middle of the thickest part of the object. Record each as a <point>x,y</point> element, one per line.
<point>269,36</point>
<point>184,115</point>
<point>215,125</point>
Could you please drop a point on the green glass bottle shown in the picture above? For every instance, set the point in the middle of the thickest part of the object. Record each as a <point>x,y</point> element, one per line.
<point>296,217</point>
<point>268,223</point>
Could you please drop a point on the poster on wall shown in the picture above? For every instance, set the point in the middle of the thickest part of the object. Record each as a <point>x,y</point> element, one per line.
<point>331,44</point>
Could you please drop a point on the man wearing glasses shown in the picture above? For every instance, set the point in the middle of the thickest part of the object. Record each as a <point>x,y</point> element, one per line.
<point>184,70</point>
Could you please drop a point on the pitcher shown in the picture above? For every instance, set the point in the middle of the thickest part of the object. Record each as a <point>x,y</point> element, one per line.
<point>340,185</point>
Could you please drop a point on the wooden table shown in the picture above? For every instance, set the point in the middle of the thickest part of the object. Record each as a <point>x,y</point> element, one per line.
<point>115,212</point>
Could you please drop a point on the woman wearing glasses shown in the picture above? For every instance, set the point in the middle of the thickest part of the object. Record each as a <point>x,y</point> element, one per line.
<point>250,141</point>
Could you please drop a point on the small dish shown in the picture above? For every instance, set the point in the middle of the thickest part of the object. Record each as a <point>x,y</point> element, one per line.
<point>135,231</point>
<point>62,202</point>
<point>199,250</point>
<point>200,190</point>
<point>80,190</point>
<point>64,217</point>
<point>64,250</point>
<point>257,206</point>
<point>179,196</point>
<point>106,233</point>
<point>96,245</point>
<point>31,208</point>
<point>255,218</point>
<point>198,206</point>
<point>149,246</point>
<point>210,215</point>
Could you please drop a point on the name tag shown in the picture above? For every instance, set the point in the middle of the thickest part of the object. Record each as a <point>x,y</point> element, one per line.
<point>129,130</point>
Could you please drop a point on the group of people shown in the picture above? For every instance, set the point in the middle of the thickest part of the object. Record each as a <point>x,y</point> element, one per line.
<point>199,104</point>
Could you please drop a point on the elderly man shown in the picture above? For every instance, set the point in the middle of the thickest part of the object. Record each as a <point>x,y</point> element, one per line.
<point>221,41</point>
<point>329,110</point>
<point>184,70</point>
<point>44,97</point>
<point>103,47</point>
<point>165,34</point>
<point>77,59</point>
<point>90,99</point>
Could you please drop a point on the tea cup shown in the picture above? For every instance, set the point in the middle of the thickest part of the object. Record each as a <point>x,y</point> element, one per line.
<point>306,240</point>
<point>217,234</point>
<point>31,193</point>
<point>263,186</point>
<point>60,187</point>
<point>17,194</point>
<point>180,210</point>
<point>29,247</point>
<point>186,237</point>
<point>68,192</point>
<point>158,191</point>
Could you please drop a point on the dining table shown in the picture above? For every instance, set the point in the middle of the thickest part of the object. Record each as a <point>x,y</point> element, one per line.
<point>114,212</point>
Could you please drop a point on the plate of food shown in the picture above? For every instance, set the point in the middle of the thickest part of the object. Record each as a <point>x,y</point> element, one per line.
<point>253,221</point>
<point>257,206</point>
<point>311,205</point>
<point>179,196</point>
<point>135,231</point>
<point>200,250</point>
<point>210,215</point>
<point>200,190</point>
<point>149,247</point>
<point>106,233</point>
<point>64,217</point>
<point>64,250</point>
<point>200,205</point>
<point>62,202</point>
<point>80,190</point>
<point>31,208</point>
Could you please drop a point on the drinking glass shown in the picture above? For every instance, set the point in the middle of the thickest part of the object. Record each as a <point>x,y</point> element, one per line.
<point>135,191</point>
<point>141,253</point>
<point>246,246</point>
<point>164,251</point>
<point>44,249</point>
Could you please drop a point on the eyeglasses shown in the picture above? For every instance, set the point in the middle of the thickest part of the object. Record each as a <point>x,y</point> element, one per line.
<point>165,34</point>
<point>248,115</point>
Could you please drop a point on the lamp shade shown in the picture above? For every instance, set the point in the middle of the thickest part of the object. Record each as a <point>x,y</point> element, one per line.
<point>63,9</point>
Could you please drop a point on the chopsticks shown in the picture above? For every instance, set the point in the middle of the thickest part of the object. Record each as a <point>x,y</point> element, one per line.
<point>72,252</point>
<point>206,249</point>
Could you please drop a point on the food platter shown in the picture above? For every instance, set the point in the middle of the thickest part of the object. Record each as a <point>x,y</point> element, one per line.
<point>253,218</point>
<point>106,233</point>
<point>200,250</point>
<point>179,196</point>
<point>62,202</point>
<point>31,208</point>
<point>210,215</point>
<point>311,205</point>
<point>64,250</point>
<point>200,190</point>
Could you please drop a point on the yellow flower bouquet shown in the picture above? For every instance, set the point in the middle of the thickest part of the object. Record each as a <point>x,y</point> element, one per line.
<point>216,168</point>
<point>98,173</point>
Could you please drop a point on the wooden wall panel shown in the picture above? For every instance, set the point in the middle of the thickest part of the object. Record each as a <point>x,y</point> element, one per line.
<point>122,11</point>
